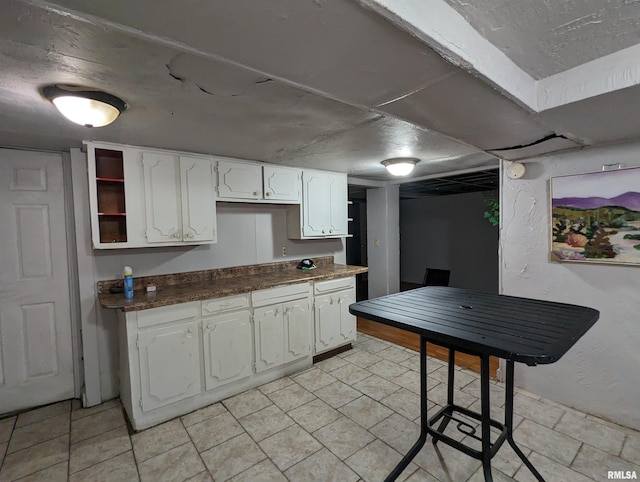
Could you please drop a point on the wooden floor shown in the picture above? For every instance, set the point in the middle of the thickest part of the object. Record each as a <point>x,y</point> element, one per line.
<point>412,340</point>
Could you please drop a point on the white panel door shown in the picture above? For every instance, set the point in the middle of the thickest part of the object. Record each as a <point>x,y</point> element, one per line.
<point>237,180</point>
<point>327,323</point>
<point>162,198</point>
<point>348,322</point>
<point>338,208</point>
<point>315,204</point>
<point>269,334</point>
<point>36,355</point>
<point>297,329</point>
<point>198,199</point>
<point>281,183</point>
<point>227,348</point>
<point>169,364</point>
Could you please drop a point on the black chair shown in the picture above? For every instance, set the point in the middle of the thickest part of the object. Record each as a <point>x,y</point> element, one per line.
<point>436,277</point>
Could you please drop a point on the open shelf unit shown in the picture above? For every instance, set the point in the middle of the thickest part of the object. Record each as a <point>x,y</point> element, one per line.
<point>112,220</point>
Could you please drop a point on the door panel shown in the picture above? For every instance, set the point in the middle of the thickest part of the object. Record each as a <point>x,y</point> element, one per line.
<point>36,355</point>
<point>162,198</point>
<point>198,200</point>
<point>239,181</point>
<point>281,183</point>
<point>327,321</point>
<point>347,320</point>
<point>269,332</point>
<point>297,326</point>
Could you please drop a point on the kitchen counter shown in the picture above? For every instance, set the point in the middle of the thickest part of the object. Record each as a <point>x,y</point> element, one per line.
<point>203,285</point>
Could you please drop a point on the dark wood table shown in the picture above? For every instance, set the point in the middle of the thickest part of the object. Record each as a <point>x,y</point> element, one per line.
<point>481,324</point>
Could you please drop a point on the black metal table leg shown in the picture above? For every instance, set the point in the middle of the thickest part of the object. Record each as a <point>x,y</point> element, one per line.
<point>449,407</point>
<point>423,416</point>
<point>485,409</point>
<point>508,421</point>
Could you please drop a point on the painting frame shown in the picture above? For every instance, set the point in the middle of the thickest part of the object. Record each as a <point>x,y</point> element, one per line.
<point>595,217</point>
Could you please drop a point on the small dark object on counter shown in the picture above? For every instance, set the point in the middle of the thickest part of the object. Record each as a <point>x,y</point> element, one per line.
<point>116,289</point>
<point>306,264</point>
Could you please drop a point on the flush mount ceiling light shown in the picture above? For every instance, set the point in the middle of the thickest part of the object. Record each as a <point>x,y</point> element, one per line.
<point>400,166</point>
<point>84,105</point>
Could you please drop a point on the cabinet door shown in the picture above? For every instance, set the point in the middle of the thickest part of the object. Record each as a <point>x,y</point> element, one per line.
<point>198,199</point>
<point>162,198</point>
<point>269,335</point>
<point>327,323</point>
<point>297,329</point>
<point>315,205</point>
<point>169,365</point>
<point>237,180</point>
<point>227,348</point>
<point>338,209</point>
<point>347,320</point>
<point>281,183</point>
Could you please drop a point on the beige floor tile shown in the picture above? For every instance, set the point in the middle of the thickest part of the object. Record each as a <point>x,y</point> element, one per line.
<point>232,457</point>
<point>314,415</point>
<point>100,422</point>
<point>177,464</point>
<point>377,387</point>
<point>365,411</point>
<point>36,433</point>
<point>201,477</point>
<point>537,411</point>
<point>421,475</point>
<point>78,413</point>
<point>595,463</point>
<point>591,432</point>
<point>497,412</point>
<point>246,403</point>
<point>363,359</point>
<point>99,448</point>
<point>446,463</point>
<point>265,422</point>
<point>121,468</point>
<point>330,364</point>
<point>546,442</point>
<point>35,458</point>
<point>314,379</point>
<point>375,461</point>
<point>630,450</point>
<point>265,471</point>
<point>55,473</point>
<point>498,476</point>
<point>394,354</point>
<point>214,431</point>
<point>322,465</point>
<point>276,385</point>
<point>3,449</point>
<point>551,471</point>
<point>461,378</point>
<point>6,427</point>
<point>291,397</point>
<point>438,394</point>
<point>337,394</point>
<point>507,461</point>
<point>397,432</point>
<point>347,352</point>
<point>372,345</point>
<point>158,439</point>
<point>350,374</point>
<point>202,414</point>
<point>404,402</point>
<point>411,381</point>
<point>387,369</point>
<point>343,437</point>
<point>43,413</point>
<point>289,447</point>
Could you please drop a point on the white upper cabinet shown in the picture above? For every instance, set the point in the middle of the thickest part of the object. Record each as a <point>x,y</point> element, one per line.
<point>179,199</point>
<point>324,207</point>
<point>256,182</point>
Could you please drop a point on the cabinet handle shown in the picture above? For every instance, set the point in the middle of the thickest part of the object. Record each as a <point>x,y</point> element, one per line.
<point>190,330</point>
<point>177,235</point>
<point>268,193</point>
<point>331,300</point>
<point>323,231</point>
<point>340,300</point>
<point>330,231</point>
<point>189,235</point>
<point>277,312</point>
<point>255,193</point>
<point>209,326</point>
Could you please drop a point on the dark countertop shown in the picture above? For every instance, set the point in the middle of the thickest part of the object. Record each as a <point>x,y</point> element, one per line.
<point>226,286</point>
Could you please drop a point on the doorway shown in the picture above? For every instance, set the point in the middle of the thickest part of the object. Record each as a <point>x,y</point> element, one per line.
<point>357,244</point>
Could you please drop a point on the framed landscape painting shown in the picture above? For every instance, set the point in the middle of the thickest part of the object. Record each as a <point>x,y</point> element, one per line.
<point>595,217</point>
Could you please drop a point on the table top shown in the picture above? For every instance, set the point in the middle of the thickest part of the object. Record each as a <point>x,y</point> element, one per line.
<point>518,329</point>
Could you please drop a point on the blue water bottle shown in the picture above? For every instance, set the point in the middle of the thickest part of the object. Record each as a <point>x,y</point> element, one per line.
<point>128,282</point>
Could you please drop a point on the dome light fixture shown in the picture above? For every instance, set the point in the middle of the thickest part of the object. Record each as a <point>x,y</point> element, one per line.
<point>84,105</point>
<point>400,166</point>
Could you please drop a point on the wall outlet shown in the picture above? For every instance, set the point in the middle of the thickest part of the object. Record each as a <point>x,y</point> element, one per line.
<point>284,251</point>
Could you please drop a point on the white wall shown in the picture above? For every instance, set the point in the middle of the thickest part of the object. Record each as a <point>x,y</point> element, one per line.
<point>247,234</point>
<point>449,232</point>
<point>599,374</point>
<point>383,240</point>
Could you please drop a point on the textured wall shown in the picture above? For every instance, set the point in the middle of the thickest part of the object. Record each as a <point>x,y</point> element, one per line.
<point>600,373</point>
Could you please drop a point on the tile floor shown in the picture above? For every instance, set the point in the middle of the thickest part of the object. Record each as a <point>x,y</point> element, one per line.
<point>345,419</point>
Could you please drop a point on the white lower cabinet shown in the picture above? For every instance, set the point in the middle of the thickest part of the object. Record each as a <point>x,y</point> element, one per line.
<point>334,325</point>
<point>169,364</point>
<point>227,344</point>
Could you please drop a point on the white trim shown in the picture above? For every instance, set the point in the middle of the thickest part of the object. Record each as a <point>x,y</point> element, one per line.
<point>86,280</point>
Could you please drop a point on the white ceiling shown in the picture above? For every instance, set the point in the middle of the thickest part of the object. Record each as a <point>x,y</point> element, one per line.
<point>330,84</point>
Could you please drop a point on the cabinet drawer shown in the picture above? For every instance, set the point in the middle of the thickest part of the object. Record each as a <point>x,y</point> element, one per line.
<point>322,287</point>
<point>165,314</point>
<point>227,303</point>
<point>280,294</point>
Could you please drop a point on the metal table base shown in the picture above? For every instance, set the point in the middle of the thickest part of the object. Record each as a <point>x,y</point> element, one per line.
<point>447,414</point>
